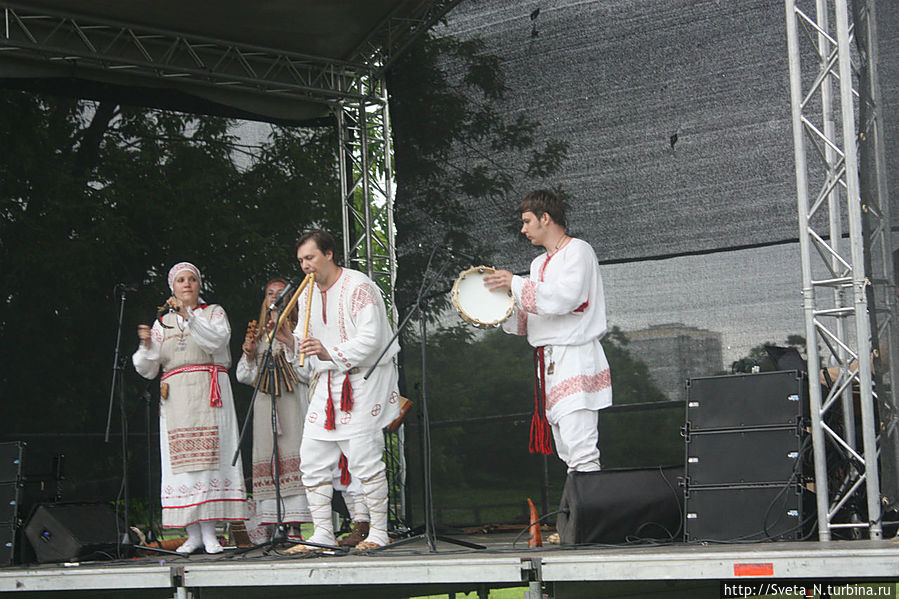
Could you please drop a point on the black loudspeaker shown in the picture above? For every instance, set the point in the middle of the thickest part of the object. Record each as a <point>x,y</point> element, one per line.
<point>68,532</point>
<point>614,506</point>
<point>10,492</point>
<point>747,400</point>
<point>746,513</point>
<point>745,441</point>
<point>743,456</point>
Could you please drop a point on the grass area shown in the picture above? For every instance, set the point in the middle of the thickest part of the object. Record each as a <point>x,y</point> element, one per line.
<point>513,593</point>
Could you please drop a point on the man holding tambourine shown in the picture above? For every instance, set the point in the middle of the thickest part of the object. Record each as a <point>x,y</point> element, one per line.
<point>561,309</point>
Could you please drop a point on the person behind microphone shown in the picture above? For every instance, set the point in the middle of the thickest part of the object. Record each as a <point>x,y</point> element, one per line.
<point>348,328</point>
<point>197,422</point>
<point>291,411</point>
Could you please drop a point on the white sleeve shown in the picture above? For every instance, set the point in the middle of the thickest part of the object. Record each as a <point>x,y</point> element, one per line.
<point>210,328</point>
<point>246,370</point>
<point>565,294</point>
<point>146,359</point>
<point>364,346</point>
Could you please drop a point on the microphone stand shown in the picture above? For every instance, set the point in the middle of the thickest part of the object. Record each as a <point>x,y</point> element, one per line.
<point>151,533</point>
<point>118,368</point>
<point>430,534</point>
<point>279,535</point>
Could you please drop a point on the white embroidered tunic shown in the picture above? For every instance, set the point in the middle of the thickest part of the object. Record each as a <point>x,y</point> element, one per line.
<point>350,320</point>
<point>195,490</point>
<point>561,307</point>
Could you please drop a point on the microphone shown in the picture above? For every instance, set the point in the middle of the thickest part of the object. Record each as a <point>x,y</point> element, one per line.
<point>458,254</point>
<point>291,285</point>
<point>126,286</point>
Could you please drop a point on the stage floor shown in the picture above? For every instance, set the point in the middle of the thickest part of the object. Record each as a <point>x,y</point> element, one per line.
<point>673,570</point>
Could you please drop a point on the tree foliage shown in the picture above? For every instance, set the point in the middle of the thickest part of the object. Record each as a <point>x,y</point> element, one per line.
<point>96,194</point>
<point>455,147</point>
<point>758,355</point>
<point>474,378</point>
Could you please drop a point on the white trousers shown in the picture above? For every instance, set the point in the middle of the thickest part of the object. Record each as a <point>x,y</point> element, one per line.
<point>363,454</point>
<point>577,440</point>
<point>364,459</point>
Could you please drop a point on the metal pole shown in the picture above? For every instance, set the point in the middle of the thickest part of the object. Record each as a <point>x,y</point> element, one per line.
<point>808,304</point>
<point>859,280</point>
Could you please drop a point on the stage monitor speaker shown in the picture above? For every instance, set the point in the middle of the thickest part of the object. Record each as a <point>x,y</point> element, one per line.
<point>746,400</point>
<point>744,456</point>
<point>746,513</point>
<point>67,532</point>
<point>614,506</point>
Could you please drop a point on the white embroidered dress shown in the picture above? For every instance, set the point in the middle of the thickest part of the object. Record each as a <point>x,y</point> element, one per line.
<point>291,411</point>
<point>561,307</point>
<point>350,320</point>
<point>209,489</point>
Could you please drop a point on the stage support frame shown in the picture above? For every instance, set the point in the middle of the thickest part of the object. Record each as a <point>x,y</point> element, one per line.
<point>365,156</point>
<point>850,309</point>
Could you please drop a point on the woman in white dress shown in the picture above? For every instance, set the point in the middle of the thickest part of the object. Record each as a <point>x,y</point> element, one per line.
<point>197,423</point>
<point>291,412</point>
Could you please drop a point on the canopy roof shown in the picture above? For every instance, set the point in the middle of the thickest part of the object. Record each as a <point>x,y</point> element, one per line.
<point>273,60</point>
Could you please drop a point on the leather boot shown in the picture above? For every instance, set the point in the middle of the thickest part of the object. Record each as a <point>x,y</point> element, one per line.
<point>358,534</point>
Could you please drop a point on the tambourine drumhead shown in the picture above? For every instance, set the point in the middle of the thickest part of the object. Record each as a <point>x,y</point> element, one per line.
<point>477,304</point>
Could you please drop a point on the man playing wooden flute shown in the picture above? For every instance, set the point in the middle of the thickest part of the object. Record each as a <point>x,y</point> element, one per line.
<point>347,330</point>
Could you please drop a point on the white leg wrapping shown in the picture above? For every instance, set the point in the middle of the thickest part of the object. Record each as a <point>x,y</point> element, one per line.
<point>375,492</point>
<point>319,498</point>
<point>361,509</point>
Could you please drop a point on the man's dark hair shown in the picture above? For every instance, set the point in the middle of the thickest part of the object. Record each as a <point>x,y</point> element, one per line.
<point>323,239</point>
<point>543,201</point>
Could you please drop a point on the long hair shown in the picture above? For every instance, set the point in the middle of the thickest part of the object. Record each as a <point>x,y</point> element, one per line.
<point>293,317</point>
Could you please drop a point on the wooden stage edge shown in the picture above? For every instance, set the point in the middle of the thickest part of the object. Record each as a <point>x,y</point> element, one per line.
<point>671,570</point>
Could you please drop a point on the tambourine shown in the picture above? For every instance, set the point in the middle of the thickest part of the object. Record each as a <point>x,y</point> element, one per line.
<point>478,305</point>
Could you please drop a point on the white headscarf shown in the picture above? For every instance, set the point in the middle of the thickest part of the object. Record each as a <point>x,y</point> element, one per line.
<point>180,267</point>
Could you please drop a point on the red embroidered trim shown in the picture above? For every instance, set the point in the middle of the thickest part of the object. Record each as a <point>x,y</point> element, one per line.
<point>522,322</point>
<point>263,473</point>
<point>582,307</point>
<point>578,384</point>
<point>199,488</point>
<point>341,319</point>
<point>362,296</point>
<point>193,446</point>
<point>529,296</point>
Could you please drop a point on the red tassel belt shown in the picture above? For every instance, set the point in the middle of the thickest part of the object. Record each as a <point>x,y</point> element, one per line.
<point>215,390</point>
<point>346,400</point>
<point>540,429</point>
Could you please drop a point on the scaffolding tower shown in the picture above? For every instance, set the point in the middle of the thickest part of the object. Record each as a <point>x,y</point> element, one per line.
<point>848,290</point>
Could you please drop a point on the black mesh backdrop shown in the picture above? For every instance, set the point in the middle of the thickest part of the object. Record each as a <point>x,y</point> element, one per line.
<point>696,232</point>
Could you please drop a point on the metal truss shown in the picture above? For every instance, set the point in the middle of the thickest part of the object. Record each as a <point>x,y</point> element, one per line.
<point>366,183</point>
<point>406,22</point>
<point>848,293</point>
<point>96,44</point>
<point>367,194</point>
<point>101,45</point>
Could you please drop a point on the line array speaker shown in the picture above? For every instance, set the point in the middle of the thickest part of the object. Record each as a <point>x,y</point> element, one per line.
<point>745,437</point>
